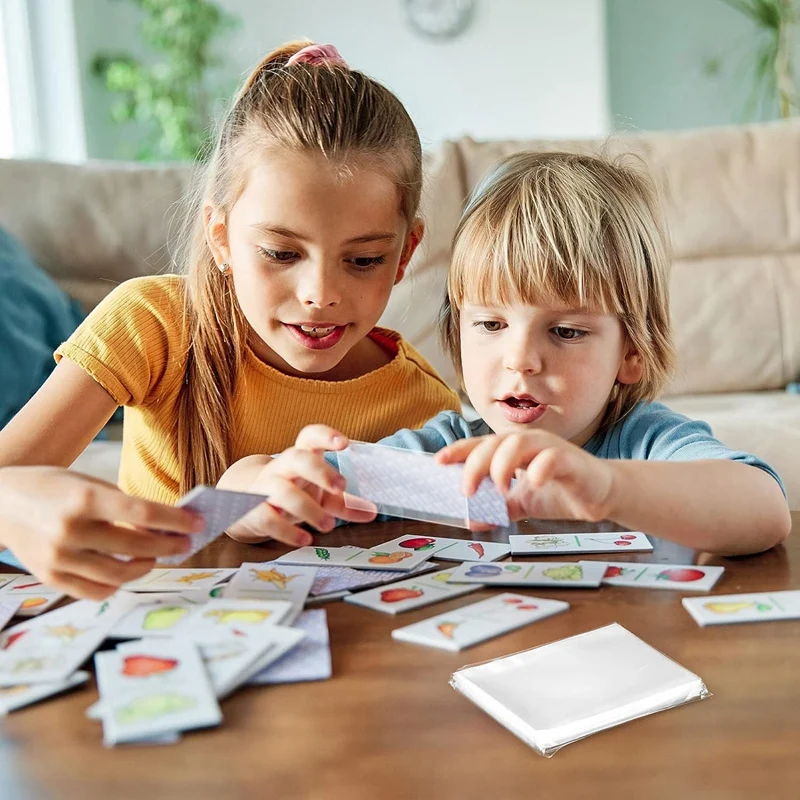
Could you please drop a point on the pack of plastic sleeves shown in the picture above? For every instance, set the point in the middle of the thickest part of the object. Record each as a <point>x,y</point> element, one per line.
<point>553,695</point>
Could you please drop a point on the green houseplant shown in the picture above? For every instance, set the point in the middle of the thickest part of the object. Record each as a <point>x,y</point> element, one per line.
<point>169,96</point>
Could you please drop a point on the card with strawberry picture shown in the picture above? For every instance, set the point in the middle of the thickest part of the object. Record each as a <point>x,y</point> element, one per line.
<point>446,549</point>
<point>397,559</point>
<point>563,574</point>
<point>477,622</point>
<point>689,578</point>
<point>555,543</point>
<point>412,593</point>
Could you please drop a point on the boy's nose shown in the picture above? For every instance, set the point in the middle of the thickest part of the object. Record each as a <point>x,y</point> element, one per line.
<point>523,360</point>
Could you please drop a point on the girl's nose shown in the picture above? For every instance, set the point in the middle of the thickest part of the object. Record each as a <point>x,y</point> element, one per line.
<point>318,289</point>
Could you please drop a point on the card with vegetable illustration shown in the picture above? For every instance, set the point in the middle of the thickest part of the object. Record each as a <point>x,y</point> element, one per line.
<point>689,578</point>
<point>155,688</point>
<point>36,597</point>
<point>477,622</point>
<point>725,609</point>
<point>178,580</point>
<point>412,593</point>
<point>397,559</point>
<point>446,549</point>
<point>565,574</point>
<point>554,543</point>
<point>268,581</point>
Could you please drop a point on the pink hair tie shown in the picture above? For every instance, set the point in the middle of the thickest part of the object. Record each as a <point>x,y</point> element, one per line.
<point>317,54</point>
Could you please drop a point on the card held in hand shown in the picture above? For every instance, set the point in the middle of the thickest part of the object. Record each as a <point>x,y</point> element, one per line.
<point>405,483</point>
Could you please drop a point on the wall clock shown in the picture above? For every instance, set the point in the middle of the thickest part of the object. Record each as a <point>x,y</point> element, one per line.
<point>439,19</point>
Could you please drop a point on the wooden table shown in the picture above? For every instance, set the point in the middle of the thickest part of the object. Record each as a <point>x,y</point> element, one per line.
<point>388,725</point>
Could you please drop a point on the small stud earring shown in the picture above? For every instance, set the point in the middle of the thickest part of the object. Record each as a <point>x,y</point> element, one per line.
<point>225,268</point>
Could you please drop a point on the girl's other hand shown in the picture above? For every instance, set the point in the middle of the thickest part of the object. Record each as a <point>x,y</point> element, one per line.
<point>68,530</point>
<point>302,488</point>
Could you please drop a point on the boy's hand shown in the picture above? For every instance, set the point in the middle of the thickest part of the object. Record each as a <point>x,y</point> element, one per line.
<point>555,479</point>
<point>68,529</point>
<point>302,488</point>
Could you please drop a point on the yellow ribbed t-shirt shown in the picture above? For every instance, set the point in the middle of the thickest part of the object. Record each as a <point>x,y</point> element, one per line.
<point>133,344</point>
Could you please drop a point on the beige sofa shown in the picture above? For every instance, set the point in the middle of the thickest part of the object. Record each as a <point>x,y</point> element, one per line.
<point>733,203</point>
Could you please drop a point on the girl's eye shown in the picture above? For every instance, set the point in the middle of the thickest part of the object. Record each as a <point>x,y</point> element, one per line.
<point>365,263</point>
<point>568,334</point>
<point>280,256</point>
<point>490,325</point>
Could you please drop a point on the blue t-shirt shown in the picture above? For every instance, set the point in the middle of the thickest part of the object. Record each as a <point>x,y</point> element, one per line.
<point>651,432</point>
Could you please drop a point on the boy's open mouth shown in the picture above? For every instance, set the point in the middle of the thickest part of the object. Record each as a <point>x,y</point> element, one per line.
<point>522,409</point>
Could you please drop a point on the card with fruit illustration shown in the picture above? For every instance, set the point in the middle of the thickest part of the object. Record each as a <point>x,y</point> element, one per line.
<point>36,597</point>
<point>165,616</point>
<point>397,559</point>
<point>21,695</point>
<point>220,618</point>
<point>178,580</point>
<point>564,574</point>
<point>412,593</point>
<point>220,509</point>
<point>660,576</point>
<point>477,622</point>
<point>410,484</point>
<point>156,687</point>
<point>270,581</point>
<point>555,543</point>
<point>446,549</point>
<point>725,609</point>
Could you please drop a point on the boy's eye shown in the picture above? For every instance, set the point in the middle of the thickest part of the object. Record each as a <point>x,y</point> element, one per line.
<point>366,262</point>
<point>490,325</point>
<point>280,256</point>
<point>568,334</point>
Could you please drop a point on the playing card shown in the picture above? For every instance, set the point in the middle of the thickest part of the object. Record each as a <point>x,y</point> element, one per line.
<point>553,543</point>
<point>178,580</point>
<point>218,618</point>
<point>308,661</point>
<point>50,653</point>
<point>355,557</point>
<point>36,597</point>
<point>660,576</point>
<point>405,483</point>
<point>477,622</point>
<point>220,508</point>
<point>159,687</point>
<point>564,574</point>
<point>20,695</point>
<point>266,581</point>
<point>331,581</point>
<point>724,609</point>
<point>445,549</point>
<point>412,593</point>
<point>160,617</point>
<point>8,608</point>
<point>7,578</point>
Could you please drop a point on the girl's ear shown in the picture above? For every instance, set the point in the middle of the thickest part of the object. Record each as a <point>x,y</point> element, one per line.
<point>632,368</point>
<point>413,238</point>
<point>216,234</point>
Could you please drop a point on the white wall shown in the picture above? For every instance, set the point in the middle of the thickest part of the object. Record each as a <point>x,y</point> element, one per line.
<point>524,68</point>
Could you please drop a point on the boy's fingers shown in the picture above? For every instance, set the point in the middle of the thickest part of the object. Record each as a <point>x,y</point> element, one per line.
<point>477,465</point>
<point>320,437</point>
<point>458,451</point>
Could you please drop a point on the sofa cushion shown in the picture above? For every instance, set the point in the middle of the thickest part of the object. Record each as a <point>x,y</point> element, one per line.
<point>35,317</point>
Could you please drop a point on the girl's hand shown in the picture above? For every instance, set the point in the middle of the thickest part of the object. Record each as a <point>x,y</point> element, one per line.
<point>68,529</point>
<point>555,479</point>
<point>302,488</point>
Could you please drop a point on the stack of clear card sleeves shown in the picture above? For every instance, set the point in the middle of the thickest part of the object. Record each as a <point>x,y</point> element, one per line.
<point>558,693</point>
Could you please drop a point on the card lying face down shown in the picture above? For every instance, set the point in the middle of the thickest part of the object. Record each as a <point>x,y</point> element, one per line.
<point>554,543</point>
<point>220,508</point>
<point>558,693</point>
<point>724,609</point>
<point>403,483</point>
<point>477,622</point>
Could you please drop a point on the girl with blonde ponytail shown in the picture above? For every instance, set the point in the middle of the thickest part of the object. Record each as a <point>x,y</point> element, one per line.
<point>305,219</point>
